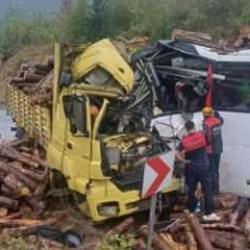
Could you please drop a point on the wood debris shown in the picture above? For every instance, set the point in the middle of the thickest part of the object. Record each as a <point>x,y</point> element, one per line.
<point>186,231</point>
<point>24,177</point>
<point>36,80</point>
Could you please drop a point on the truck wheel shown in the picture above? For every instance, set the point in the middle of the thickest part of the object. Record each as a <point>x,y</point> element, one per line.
<point>20,132</point>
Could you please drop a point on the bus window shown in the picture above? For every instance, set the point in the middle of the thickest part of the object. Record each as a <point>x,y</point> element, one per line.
<point>232,96</point>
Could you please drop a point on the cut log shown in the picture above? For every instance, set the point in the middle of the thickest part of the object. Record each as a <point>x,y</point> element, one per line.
<point>37,205</point>
<point>198,231</point>
<point>158,243</point>
<point>43,67</point>
<point>25,222</point>
<point>191,36</point>
<point>35,158</point>
<point>122,227</point>
<point>16,186</point>
<point>32,78</point>
<point>192,243</point>
<point>8,203</point>
<point>171,244</point>
<point>3,212</point>
<point>140,244</point>
<point>24,67</point>
<point>27,181</point>
<point>25,149</point>
<point>6,191</point>
<point>13,154</point>
<point>39,177</point>
<point>15,80</point>
<point>50,62</point>
<point>225,202</point>
<point>40,190</point>
<point>17,142</point>
<point>20,74</point>
<point>226,240</point>
<point>240,211</point>
<point>223,227</point>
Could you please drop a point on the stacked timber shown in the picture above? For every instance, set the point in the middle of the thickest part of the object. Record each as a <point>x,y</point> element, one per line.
<point>36,80</point>
<point>24,177</point>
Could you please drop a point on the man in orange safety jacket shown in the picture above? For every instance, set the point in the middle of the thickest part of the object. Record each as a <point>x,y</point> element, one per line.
<point>212,125</point>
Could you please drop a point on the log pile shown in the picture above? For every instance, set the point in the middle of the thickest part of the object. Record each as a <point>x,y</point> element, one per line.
<point>36,80</point>
<point>24,177</point>
<point>186,231</point>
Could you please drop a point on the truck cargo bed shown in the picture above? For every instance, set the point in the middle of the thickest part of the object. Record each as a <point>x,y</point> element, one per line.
<point>35,119</point>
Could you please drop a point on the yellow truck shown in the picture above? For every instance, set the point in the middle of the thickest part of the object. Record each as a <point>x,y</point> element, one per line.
<point>96,134</point>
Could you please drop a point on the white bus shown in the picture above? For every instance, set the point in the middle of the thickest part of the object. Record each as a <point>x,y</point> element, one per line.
<point>175,61</point>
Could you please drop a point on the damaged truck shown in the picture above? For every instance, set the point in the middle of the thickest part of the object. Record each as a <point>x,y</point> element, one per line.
<point>108,115</point>
<point>97,132</point>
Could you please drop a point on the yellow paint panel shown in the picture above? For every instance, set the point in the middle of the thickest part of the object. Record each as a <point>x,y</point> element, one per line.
<point>104,55</point>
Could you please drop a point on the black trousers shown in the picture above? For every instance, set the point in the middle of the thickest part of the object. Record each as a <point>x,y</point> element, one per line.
<point>214,162</point>
<point>196,174</point>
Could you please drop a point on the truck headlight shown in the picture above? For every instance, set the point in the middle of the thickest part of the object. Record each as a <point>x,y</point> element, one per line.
<point>109,209</point>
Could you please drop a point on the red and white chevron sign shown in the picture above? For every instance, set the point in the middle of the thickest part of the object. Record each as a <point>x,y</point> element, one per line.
<point>157,174</point>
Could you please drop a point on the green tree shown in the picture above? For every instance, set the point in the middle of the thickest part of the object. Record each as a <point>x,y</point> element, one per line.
<point>77,20</point>
<point>20,30</point>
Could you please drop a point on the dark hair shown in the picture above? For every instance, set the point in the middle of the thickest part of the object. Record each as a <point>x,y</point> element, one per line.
<point>189,125</point>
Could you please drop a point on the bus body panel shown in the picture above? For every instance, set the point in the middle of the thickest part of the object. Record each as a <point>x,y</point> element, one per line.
<point>234,167</point>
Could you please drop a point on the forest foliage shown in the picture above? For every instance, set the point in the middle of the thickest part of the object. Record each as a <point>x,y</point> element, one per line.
<point>90,20</point>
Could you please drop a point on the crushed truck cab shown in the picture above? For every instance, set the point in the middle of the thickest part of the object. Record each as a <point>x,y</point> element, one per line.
<point>99,137</point>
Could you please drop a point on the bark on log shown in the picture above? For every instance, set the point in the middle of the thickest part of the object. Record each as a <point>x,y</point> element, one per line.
<point>16,80</point>
<point>27,181</point>
<point>50,62</point>
<point>6,191</point>
<point>17,142</point>
<point>13,154</point>
<point>171,244</point>
<point>20,74</point>
<point>158,243</point>
<point>35,157</point>
<point>32,78</point>
<point>8,203</point>
<point>37,205</point>
<point>223,227</point>
<point>40,190</point>
<point>240,211</point>
<point>38,177</point>
<point>43,67</point>
<point>192,243</point>
<point>24,67</point>
<point>25,222</point>
<point>3,212</point>
<point>198,231</point>
<point>122,227</point>
<point>225,240</point>
<point>226,201</point>
<point>15,185</point>
<point>25,149</point>
<point>140,244</point>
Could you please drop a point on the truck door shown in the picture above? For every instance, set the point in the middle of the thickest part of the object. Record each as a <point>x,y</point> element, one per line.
<point>77,144</point>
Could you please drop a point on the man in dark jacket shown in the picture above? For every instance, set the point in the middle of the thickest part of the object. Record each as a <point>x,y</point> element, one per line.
<point>193,150</point>
<point>212,127</point>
